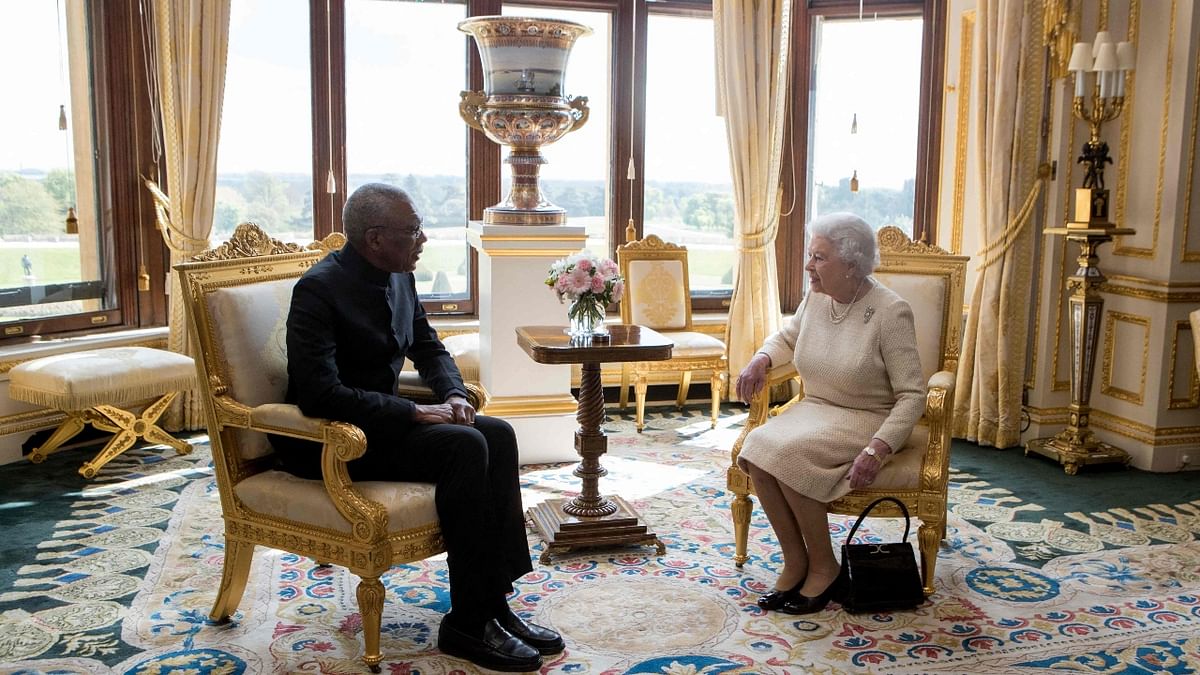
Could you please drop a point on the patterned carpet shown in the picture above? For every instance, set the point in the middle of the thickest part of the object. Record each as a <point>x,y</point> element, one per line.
<point>123,570</point>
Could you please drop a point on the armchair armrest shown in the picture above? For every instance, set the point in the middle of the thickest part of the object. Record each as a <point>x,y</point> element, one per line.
<point>341,443</point>
<point>939,405</point>
<point>410,385</point>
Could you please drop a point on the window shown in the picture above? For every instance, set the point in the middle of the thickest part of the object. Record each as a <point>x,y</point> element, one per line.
<point>689,193</point>
<point>577,175</point>
<point>264,162</point>
<point>863,151</point>
<point>404,71</point>
<point>52,250</point>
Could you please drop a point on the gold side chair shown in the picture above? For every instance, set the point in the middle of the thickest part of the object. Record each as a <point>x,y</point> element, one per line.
<point>658,296</point>
<point>237,298</point>
<point>933,282</point>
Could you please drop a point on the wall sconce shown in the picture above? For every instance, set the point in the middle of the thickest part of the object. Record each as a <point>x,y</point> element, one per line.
<point>1112,64</point>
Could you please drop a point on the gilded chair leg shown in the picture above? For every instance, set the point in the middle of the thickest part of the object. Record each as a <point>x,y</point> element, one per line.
<point>715,384</point>
<point>370,607</point>
<point>685,383</point>
<point>639,387</point>
<point>65,432</point>
<point>927,537</point>
<point>236,569</point>
<point>624,401</point>
<point>740,509</point>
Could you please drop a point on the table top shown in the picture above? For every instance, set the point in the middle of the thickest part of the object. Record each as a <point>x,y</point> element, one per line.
<point>551,344</point>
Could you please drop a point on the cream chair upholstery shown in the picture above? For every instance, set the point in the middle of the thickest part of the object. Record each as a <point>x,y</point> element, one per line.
<point>237,298</point>
<point>658,296</point>
<point>932,281</point>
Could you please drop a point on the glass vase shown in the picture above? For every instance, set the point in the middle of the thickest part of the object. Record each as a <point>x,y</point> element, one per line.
<point>586,314</point>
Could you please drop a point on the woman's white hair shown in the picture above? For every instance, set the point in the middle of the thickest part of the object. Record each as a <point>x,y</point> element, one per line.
<point>852,238</point>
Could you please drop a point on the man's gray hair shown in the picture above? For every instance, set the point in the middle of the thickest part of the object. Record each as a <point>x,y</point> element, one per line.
<point>372,205</point>
<point>852,238</point>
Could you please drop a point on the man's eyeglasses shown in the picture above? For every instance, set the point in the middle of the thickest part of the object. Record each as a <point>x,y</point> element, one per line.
<point>414,232</point>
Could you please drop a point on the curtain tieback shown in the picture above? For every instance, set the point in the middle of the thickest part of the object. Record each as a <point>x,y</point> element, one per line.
<point>996,248</point>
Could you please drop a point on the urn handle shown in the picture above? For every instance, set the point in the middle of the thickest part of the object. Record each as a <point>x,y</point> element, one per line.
<point>579,110</point>
<point>468,108</point>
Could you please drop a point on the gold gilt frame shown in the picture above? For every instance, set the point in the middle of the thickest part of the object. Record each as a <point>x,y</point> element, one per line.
<point>927,501</point>
<point>368,549</point>
<point>654,248</point>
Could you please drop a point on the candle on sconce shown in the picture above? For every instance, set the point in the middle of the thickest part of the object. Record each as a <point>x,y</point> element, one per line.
<point>1079,65</point>
<point>1126,58</point>
<point>1106,66</point>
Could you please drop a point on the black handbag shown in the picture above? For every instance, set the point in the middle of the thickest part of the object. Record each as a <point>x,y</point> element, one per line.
<point>880,577</point>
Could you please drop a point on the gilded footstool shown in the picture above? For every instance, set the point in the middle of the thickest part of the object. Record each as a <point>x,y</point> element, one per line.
<point>91,386</point>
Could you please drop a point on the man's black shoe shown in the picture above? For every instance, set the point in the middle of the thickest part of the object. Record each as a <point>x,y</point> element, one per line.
<point>540,638</point>
<point>494,648</point>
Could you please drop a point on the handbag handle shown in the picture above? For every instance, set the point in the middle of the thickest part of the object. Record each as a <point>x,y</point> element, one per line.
<point>866,511</point>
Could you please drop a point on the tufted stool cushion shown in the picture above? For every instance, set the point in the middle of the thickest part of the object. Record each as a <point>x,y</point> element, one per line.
<point>90,386</point>
<point>80,380</point>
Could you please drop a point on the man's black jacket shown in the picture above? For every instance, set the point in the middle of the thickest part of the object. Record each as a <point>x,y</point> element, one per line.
<point>349,329</point>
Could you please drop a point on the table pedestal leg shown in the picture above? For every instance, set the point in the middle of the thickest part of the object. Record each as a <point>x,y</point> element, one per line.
<point>590,519</point>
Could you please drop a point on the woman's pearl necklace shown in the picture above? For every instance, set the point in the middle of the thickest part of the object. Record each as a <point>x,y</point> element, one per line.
<point>838,318</point>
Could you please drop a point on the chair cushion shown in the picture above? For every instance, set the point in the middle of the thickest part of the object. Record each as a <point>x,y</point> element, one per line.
<point>903,470</point>
<point>926,294</point>
<point>250,324</point>
<point>110,376</point>
<point>689,344</point>
<point>279,494</point>
<point>465,350</point>
<point>657,296</point>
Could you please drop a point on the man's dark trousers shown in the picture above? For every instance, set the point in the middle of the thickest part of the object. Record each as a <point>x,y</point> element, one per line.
<point>478,504</point>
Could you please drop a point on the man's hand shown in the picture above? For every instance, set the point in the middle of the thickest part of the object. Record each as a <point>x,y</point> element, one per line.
<point>753,377</point>
<point>461,410</point>
<point>456,410</point>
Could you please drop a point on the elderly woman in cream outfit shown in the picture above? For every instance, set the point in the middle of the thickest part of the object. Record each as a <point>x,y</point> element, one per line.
<point>853,343</point>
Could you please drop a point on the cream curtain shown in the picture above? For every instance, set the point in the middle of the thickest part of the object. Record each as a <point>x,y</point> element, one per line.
<point>191,38</point>
<point>752,39</point>
<point>1011,80</point>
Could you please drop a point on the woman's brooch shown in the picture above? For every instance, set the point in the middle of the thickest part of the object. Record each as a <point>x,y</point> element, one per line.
<point>868,314</point>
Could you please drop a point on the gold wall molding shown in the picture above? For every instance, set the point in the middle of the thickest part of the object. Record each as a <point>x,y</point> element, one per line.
<point>153,343</point>
<point>1193,398</point>
<point>1167,283</point>
<point>1144,433</point>
<point>524,406</point>
<point>30,420</point>
<point>1148,252</point>
<point>1110,347</point>
<point>966,49</point>
<point>1171,295</point>
<point>1187,254</point>
<point>1060,315</point>
<point>1127,118</point>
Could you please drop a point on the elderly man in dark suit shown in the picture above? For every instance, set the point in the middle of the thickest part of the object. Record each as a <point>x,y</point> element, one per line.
<point>354,318</point>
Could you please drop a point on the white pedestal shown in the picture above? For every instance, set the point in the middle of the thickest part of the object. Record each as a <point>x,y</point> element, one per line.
<point>534,398</point>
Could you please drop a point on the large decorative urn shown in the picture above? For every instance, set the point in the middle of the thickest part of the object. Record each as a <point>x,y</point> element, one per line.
<point>523,105</point>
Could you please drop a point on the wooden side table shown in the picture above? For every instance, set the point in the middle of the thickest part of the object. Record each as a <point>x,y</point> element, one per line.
<point>591,519</point>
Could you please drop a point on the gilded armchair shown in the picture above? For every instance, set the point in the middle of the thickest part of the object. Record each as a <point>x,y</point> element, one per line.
<point>237,298</point>
<point>933,282</point>
<point>658,296</point>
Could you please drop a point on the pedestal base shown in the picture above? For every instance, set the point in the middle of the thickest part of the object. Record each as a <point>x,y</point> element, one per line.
<point>1074,457</point>
<point>562,532</point>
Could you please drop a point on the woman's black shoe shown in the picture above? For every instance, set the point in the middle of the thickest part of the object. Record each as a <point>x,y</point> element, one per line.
<point>802,604</point>
<point>776,598</point>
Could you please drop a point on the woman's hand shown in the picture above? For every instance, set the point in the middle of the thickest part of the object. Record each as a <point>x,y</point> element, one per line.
<point>866,466</point>
<point>753,377</point>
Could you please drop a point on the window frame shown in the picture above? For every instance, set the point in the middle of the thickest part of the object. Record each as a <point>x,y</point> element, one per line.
<point>123,148</point>
<point>790,243</point>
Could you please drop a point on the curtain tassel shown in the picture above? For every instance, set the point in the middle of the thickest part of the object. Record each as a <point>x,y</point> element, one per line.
<point>62,118</point>
<point>143,278</point>
<point>72,221</point>
<point>854,181</point>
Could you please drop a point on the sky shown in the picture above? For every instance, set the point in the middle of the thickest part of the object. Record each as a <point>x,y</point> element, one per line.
<point>403,113</point>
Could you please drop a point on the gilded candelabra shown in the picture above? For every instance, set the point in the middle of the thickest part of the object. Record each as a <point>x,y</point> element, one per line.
<point>1076,445</point>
